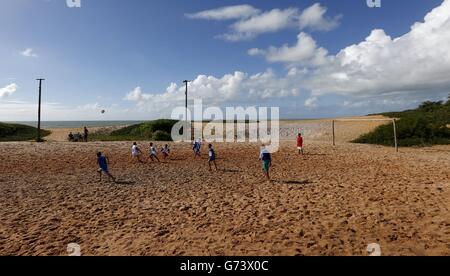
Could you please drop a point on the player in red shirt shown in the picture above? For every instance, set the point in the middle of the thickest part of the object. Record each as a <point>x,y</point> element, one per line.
<point>300,144</point>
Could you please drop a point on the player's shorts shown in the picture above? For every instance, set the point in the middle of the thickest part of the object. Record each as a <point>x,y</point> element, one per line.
<point>300,148</point>
<point>266,165</point>
<point>104,170</point>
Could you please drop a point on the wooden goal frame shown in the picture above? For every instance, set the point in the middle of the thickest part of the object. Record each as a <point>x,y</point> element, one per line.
<point>394,125</point>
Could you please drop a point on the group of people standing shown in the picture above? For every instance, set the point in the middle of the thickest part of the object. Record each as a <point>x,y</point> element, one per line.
<point>78,137</point>
<point>265,156</point>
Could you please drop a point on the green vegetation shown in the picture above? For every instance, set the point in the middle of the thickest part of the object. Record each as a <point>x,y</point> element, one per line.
<point>15,132</point>
<point>150,131</point>
<point>427,125</point>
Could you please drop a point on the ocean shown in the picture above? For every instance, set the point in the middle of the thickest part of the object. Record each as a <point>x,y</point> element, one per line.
<point>78,124</point>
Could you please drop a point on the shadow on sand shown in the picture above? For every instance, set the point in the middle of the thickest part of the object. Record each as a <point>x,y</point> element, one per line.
<point>124,182</point>
<point>231,171</point>
<point>294,182</point>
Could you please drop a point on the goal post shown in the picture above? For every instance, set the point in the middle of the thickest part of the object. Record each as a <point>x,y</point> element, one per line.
<point>394,125</point>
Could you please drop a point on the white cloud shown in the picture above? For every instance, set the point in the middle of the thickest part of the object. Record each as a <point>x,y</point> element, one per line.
<point>29,52</point>
<point>305,53</point>
<point>27,111</point>
<point>91,107</point>
<point>226,13</point>
<point>311,102</point>
<point>381,65</point>
<point>237,88</point>
<point>314,18</point>
<point>8,90</point>
<point>418,61</point>
<point>251,22</point>
<point>268,22</point>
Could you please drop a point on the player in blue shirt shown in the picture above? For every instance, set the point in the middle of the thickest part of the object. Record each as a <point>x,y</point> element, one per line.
<point>102,162</point>
<point>212,157</point>
<point>197,148</point>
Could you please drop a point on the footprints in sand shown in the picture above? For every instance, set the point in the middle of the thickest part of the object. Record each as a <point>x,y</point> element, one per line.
<point>333,204</point>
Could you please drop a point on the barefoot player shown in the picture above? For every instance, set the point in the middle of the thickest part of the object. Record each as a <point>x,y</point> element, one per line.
<point>266,159</point>
<point>300,144</point>
<point>136,152</point>
<point>153,154</point>
<point>212,157</point>
<point>102,162</point>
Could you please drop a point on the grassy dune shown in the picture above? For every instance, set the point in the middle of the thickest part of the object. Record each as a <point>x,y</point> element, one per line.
<point>155,130</point>
<point>15,132</point>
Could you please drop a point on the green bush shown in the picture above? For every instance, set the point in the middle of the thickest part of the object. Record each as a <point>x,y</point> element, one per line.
<point>15,132</point>
<point>425,126</point>
<point>154,130</point>
<point>160,135</point>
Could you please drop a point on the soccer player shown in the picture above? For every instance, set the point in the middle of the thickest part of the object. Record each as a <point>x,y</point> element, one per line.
<point>212,157</point>
<point>102,162</point>
<point>136,152</point>
<point>266,159</point>
<point>300,144</point>
<point>153,155</point>
<point>197,148</point>
<point>165,151</point>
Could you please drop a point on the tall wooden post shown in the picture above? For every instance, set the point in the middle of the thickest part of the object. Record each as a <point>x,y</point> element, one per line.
<point>395,134</point>
<point>186,106</point>
<point>38,137</point>
<point>334,134</point>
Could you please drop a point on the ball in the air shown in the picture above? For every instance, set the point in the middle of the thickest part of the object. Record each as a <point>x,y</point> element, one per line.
<point>103,111</point>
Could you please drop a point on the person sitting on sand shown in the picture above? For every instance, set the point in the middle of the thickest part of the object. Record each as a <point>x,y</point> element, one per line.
<point>153,155</point>
<point>165,151</point>
<point>300,144</point>
<point>212,157</point>
<point>102,162</point>
<point>71,137</point>
<point>77,137</point>
<point>136,152</point>
<point>266,159</point>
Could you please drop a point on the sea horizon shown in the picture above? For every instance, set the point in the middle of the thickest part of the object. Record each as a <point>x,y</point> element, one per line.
<point>77,124</point>
<point>107,123</point>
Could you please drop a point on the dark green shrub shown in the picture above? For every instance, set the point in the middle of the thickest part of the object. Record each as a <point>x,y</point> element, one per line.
<point>154,130</point>
<point>160,135</point>
<point>425,126</point>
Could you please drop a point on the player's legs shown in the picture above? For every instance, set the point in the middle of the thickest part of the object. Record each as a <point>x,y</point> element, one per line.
<point>110,176</point>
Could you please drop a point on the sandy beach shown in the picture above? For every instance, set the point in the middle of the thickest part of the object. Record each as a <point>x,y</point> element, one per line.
<point>333,201</point>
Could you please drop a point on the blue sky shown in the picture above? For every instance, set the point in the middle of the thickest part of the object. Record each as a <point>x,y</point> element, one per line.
<point>123,56</point>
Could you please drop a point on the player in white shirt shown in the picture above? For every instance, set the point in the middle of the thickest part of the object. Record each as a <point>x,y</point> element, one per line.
<point>153,154</point>
<point>136,152</point>
<point>165,151</point>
